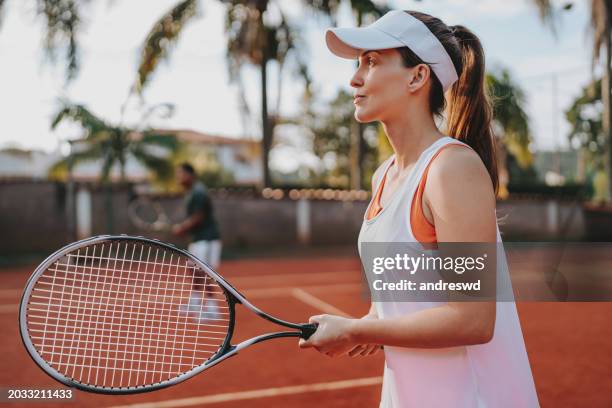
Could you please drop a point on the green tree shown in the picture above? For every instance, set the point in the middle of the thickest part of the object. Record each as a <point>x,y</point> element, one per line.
<point>512,129</point>
<point>62,25</point>
<point>509,114</point>
<point>587,133</point>
<point>205,160</point>
<point>600,28</point>
<point>585,116</point>
<point>331,130</point>
<point>113,145</point>
<point>253,38</point>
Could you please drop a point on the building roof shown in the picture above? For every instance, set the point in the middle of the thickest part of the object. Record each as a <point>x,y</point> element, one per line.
<point>192,136</point>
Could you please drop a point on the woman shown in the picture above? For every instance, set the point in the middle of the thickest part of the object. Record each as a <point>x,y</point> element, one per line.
<point>435,188</point>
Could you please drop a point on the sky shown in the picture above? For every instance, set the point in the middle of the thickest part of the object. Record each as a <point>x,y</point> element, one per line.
<point>196,78</point>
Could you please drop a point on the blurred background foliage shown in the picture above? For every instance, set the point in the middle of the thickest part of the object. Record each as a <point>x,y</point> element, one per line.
<point>259,34</point>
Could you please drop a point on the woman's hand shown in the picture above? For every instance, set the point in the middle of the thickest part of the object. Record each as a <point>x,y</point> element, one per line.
<point>365,349</point>
<point>333,335</point>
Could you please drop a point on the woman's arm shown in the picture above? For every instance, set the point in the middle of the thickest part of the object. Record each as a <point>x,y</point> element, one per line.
<point>460,195</point>
<point>366,349</point>
<point>457,324</point>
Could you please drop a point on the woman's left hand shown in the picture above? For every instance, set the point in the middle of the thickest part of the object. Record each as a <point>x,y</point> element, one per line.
<point>333,336</point>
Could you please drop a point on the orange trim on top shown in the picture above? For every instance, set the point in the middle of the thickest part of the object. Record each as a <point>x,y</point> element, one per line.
<point>422,229</point>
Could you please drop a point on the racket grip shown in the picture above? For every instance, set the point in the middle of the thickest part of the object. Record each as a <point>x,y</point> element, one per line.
<point>308,330</point>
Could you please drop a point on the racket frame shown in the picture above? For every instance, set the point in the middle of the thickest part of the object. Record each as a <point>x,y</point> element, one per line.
<point>161,224</point>
<point>226,350</point>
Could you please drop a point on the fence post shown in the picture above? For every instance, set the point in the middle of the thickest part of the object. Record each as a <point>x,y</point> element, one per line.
<point>303,221</point>
<point>83,212</point>
<point>552,213</point>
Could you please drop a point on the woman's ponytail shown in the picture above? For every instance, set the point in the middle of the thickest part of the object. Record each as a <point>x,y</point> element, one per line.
<point>469,110</point>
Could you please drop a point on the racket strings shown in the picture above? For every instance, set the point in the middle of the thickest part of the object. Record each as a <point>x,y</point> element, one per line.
<point>122,314</point>
<point>148,214</point>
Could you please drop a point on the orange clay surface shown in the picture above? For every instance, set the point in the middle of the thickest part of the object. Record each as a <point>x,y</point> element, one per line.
<point>569,346</point>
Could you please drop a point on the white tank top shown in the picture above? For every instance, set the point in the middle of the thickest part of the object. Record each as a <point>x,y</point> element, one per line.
<point>492,375</point>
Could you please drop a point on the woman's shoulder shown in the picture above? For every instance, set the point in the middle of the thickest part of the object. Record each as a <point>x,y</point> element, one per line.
<point>457,157</point>
<point>459,191</point>
<point>458,171</point>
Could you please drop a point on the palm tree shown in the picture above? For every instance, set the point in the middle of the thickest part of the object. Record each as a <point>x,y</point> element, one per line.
<point>113,145</point>
<point>585,117</point>
<point>601,29</point>
<point>252,39</point>
<point>62,19</point>
<point>509,114</point>
<point>512,125</point>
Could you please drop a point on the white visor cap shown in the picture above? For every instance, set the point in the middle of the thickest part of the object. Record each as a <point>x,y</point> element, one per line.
<point>394,30</point>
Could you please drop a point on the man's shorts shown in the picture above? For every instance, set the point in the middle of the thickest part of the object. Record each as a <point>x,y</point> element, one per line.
<point>207,251</point>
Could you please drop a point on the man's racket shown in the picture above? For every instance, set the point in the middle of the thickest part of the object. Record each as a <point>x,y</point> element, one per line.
<point>107,314</point>
<point>149,215</point>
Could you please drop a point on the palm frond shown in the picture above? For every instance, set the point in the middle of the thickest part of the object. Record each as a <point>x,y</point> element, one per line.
<point>368,7</point>
<point>160,167</point>
<point>545,9</point>
<point>63,22</point>
<point>60,169</point>
<point>246,36</point>
<point>161,110</point>
<point>329,7</point>
<point>599,25</point>
<point>115,144</point>
<point>1,11</point>
<point>547,13</point>
<point>161,38</point>
<point>167,141</point>
<point>81,115</point>
<point>509,101</point>
<point>247,41</point>
<point>107,165</point>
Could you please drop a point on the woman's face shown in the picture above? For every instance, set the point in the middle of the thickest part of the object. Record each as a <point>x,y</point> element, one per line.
<point>382,84</point>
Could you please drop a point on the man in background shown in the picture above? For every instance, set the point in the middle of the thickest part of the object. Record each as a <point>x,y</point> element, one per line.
<point>205,244</point>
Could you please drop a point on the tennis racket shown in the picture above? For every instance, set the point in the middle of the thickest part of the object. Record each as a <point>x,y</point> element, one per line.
<point>148,215</point>
<point>114,315</point>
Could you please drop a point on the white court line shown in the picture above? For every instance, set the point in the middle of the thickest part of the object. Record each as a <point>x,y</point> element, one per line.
<point>261,393</point>
<point>260,280</point>
<point>317,303</point>
<point>269,293</point>
<point>307,276</point>
<point>286,291</point>
<point>9,308</point>
<point>10,292</point>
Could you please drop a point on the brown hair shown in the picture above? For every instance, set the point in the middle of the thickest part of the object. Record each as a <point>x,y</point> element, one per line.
<point>470,113</point>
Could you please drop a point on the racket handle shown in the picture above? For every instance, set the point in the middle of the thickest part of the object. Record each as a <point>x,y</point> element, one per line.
<point>308,330</point>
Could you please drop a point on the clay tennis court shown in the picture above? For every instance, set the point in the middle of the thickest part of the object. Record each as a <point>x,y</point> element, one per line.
<point>569,345</point>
